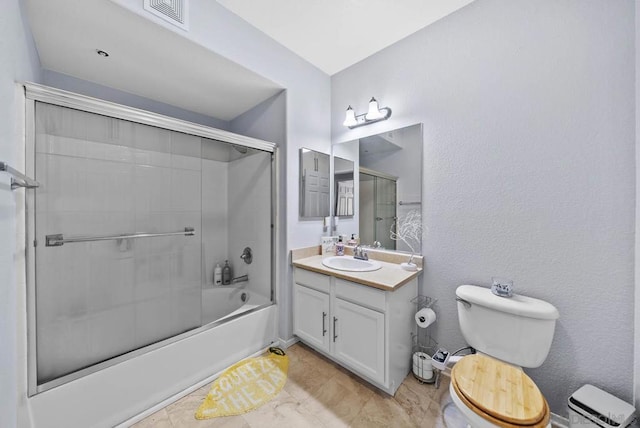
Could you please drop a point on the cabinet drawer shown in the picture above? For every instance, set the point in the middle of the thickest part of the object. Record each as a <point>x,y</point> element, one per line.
<point>361,294</point>
<point>314,280</point>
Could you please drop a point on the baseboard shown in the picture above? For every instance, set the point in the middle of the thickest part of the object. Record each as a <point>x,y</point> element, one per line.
<point>287,343</point>
<point>558,421</point>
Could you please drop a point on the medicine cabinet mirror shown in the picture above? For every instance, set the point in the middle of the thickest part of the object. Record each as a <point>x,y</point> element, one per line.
<point>387,184</point>
<point>314,184</point>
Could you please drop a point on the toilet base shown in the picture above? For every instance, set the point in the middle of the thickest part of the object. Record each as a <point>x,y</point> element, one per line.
<point>452,417</point>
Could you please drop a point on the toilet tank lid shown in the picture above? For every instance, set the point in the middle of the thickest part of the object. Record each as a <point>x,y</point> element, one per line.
<point>517,305</point>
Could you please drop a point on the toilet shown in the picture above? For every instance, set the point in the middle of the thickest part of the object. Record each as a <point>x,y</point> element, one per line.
<point>489,388</point>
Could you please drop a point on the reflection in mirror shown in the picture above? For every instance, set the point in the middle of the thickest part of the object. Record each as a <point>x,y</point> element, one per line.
<point>378,196</point>
<point>314,184</point>
<point>344,187</point>
<point>388,185</point>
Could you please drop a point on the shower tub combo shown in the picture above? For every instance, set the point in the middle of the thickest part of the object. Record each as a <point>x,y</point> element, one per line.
<point>133,212</point>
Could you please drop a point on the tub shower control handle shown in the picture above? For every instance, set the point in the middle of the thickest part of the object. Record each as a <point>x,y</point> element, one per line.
<point>335,336</point>
<point>247,255</point>
<point>324,328</point>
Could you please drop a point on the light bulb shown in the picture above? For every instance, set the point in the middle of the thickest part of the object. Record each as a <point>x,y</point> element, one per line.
<point>350,117</point>
<point>374,110</point>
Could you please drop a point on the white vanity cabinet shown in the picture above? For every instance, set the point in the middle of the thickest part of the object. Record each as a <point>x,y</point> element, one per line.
<point>364,329</point>
<point>311,310</point>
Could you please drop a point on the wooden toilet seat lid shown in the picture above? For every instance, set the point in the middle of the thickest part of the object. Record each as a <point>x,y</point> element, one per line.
<point>500,391</point>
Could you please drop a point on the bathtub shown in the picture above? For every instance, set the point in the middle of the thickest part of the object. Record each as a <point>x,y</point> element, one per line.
<point>221,303</point>
<point>117,393</point>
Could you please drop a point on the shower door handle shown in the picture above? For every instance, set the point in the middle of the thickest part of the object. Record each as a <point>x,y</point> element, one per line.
<point>335,336</point>
<point>324,328</point>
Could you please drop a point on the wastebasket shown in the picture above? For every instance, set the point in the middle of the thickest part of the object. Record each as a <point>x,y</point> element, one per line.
<point>590,407</point>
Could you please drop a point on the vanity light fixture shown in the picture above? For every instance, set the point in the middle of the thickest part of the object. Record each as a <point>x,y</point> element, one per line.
<point>375,114</point>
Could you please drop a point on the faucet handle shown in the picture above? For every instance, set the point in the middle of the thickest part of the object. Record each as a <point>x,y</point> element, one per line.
<point>360,253</point>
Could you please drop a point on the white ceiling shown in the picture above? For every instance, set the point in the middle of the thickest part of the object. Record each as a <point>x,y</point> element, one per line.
<point>335,34</point>
<point>151,61</point>
<point>145,58</point>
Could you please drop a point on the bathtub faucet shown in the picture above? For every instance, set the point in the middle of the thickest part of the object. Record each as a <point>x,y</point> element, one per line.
<point>242,278</point>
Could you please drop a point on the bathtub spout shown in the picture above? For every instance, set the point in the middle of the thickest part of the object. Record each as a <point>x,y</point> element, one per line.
<point>242,278</point>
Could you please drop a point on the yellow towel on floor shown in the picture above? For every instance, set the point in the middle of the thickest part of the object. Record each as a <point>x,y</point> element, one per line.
<point>246,385</point>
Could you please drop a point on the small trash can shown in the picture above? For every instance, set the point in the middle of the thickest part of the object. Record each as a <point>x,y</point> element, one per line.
<point>590,407</point>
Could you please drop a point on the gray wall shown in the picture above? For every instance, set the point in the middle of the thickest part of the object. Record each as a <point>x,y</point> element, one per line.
<point>73,84</point>
<point>529,167</point>
<point>18,62</point>
<point>266,121</point>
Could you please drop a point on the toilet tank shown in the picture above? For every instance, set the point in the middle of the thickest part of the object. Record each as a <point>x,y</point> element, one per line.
<point>517,330</point>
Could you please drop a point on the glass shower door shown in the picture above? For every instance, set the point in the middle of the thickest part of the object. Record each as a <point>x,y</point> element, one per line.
<point>99,294</point>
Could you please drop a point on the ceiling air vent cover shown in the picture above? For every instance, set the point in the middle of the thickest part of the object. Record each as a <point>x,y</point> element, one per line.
<point>173,11</point>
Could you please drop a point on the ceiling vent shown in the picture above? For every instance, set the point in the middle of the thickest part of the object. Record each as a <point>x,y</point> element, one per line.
<point>174,11</point>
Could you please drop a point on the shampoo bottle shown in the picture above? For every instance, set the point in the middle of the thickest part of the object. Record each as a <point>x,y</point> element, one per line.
<point>226,273</point>
<point>217,275</point>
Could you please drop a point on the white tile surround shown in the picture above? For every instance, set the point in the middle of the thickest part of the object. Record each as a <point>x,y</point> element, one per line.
<point>103,176</point>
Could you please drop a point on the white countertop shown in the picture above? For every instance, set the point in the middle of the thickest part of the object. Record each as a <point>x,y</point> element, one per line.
<point>389,278</point>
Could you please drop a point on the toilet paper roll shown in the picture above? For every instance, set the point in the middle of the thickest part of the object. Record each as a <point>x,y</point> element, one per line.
<point>422,365</point>
<point>425,317</point>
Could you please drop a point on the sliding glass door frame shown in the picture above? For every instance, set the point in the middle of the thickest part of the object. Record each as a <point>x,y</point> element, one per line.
<point>38,93</point>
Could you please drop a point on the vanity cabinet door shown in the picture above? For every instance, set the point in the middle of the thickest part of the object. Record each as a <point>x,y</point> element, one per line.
<point>358,337</point>
<point>311,316</point>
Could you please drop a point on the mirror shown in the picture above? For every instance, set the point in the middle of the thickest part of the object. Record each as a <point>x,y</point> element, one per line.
<point>314,184</point>
<point>387,186</point>
<point>344,187</point>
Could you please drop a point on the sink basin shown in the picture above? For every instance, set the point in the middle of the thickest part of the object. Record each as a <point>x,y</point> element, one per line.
<point>350,264</point>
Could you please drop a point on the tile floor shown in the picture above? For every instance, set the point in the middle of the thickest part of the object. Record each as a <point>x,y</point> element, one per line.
<point>318,393</point>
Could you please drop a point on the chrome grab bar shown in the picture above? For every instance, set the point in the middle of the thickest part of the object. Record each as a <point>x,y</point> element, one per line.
<point>58,240</point>
<point>22,180</point>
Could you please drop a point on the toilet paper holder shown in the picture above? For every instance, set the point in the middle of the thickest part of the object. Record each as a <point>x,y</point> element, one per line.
<point>424,344</point>
<point>423,302</point>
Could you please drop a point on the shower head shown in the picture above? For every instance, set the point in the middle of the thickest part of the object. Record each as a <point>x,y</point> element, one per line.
<point>241,149</point>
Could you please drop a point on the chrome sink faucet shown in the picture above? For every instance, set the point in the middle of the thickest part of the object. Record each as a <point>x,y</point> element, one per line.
<point>360,253</point>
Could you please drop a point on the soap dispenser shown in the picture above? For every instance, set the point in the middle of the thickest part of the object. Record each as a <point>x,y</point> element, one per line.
<point>340,247</point>
<point>226,273</point>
